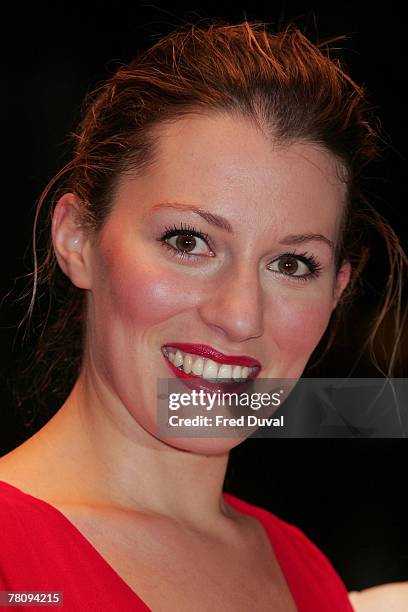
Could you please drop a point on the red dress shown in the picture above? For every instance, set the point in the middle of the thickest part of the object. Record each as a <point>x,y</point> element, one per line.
<point>41,550</point>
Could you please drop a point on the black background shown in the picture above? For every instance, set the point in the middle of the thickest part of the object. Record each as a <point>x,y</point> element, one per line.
<point>346,495</point>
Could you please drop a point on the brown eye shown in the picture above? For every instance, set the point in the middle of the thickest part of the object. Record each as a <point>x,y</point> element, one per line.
<point>288,264</point>
<point>293,265</point>
<point>185,243</point>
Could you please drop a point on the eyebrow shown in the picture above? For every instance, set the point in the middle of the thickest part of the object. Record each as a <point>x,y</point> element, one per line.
<point>211,218</point>
<point>301,238</point>
<point>222,223</point>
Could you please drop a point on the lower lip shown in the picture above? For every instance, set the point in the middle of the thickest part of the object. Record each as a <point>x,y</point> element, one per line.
<point>194,382</point>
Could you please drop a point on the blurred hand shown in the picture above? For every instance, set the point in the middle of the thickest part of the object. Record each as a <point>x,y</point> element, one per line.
<point>392,597</point>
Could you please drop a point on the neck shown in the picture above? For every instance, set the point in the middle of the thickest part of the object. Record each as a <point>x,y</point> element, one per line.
<point>110,459</point>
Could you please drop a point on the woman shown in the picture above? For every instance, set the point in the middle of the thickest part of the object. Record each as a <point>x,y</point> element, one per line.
<point>212,202</point>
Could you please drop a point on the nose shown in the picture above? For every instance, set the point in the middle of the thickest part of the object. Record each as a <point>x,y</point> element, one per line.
<point>233,305</point>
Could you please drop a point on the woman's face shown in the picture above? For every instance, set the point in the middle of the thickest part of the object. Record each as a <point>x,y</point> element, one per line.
<point>266,288</point>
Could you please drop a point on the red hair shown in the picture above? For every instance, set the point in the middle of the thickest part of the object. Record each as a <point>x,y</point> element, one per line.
<point>288,87</point>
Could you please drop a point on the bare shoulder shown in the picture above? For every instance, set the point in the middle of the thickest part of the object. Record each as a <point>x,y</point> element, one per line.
<point>13,465</point>
<point>25,468</point>
<point>392,597</point>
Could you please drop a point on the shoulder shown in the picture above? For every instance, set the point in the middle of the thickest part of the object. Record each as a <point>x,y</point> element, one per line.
<point>306,567</point>
<point>28,522</point>
<point>20,513</point>
<point>12,501</point>
<point>24,533</point>
<point>282,532</point>
<point>38,546</point>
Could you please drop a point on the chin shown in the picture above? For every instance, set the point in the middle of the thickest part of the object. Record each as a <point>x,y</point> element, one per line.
<point>203,446</point>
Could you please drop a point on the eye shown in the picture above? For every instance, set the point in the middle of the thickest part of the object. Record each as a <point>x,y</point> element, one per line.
<point>186,242</point>
<point>299,266</point>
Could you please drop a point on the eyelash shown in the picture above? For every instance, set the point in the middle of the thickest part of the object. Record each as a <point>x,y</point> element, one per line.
<point>189,230</point>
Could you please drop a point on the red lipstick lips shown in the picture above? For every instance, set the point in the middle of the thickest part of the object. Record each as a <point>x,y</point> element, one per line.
<point>197,382</point>
<point>204,350</point>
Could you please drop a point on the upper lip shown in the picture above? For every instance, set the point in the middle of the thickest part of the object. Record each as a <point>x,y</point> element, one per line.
<point>211,353</point>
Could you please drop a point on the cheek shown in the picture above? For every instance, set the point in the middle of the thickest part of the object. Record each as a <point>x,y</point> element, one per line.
<point>146,296</point>
<point>143,293</point>
<point>298,325</point>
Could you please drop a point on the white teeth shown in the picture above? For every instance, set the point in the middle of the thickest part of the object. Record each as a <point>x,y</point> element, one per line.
<point>178,359</point>
<point>198,366</point>
<point>207,368</point>
<point>225,371</point>
<point>188,363</point>
<point>210,370</point>
<point>236,372</point>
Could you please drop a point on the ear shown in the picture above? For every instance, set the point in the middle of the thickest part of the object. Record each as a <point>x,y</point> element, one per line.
<point>70,241</point>
<point>342,280</point>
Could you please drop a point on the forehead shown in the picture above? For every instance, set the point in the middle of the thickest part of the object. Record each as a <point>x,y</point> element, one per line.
<point>224,162</point>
